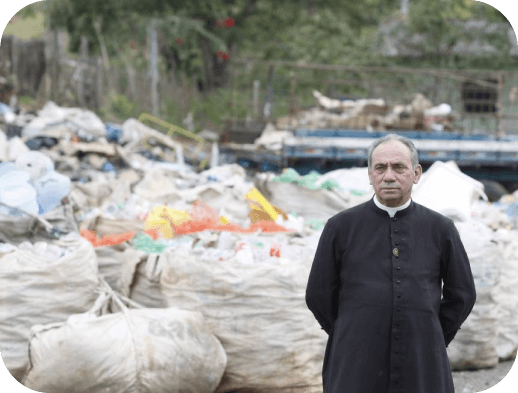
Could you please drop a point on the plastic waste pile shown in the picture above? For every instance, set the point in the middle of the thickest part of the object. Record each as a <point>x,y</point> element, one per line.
<point>186,261</point>
<point>371,114</point>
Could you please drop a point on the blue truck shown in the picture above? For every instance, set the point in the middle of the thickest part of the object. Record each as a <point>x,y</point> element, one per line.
<point>489,159</point>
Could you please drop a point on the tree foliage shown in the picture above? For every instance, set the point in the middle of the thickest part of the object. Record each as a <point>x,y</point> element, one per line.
<point>443,24</point>
<point>338,32</point>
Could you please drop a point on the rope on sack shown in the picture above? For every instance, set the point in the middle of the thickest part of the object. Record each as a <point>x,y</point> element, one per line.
<point>105,289</point>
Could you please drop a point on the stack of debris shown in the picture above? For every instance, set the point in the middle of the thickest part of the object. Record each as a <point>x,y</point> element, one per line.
<point>185,263</point>
<point>372,115</point>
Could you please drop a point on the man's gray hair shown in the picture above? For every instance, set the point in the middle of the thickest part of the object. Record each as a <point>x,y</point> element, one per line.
<point>394,137</point>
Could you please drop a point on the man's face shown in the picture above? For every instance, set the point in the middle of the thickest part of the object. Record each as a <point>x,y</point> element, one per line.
<point>391,175</point>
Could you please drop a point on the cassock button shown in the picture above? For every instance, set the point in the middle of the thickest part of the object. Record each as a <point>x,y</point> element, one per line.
<point>399,267</point>
<point>395,231</point>
<point>397,282</point>
<point>395,252</point>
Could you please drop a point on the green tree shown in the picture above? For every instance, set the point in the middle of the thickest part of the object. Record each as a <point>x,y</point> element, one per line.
<point>442,24</point>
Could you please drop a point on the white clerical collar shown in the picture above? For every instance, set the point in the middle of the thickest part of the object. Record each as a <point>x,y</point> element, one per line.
<point>391,210</point>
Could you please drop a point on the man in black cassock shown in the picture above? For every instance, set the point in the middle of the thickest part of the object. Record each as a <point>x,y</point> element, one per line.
<point>375,285</point>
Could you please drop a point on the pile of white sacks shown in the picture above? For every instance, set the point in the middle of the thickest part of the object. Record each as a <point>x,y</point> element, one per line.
<point>218,311</point>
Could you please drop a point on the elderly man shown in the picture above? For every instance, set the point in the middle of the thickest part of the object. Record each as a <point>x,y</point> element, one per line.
<point>375,285</point>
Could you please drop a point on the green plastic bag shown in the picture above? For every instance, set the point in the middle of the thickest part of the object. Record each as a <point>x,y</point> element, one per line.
<point>289,175</point>
<point>315,223</point>
<point>309,181</point>
<point>143,242</point>
<point>330,184</point>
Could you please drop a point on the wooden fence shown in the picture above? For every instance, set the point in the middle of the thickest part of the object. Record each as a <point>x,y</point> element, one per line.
<point>40,68</point>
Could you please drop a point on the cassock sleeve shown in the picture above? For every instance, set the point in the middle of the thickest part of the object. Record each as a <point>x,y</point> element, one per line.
<point>324,279</point>
<point>458,292</point>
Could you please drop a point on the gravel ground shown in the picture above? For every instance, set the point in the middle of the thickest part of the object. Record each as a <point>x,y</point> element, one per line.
<point>480,380</point>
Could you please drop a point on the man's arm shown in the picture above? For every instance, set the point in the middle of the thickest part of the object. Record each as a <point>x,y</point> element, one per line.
<point>458,293</point>
<point>324,279</point>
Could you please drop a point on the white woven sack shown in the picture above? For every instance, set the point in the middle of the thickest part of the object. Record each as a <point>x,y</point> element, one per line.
<point>259,314</point>
<point>114,349</point>
<point>506,295</point>
<point>36,291</point>
<point>113,260</point>
<point>474,345</point>
<point>141,281</point>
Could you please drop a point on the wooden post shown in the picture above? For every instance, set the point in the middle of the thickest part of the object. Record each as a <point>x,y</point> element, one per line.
<point>99,88</point>
<point>15,58</point>
<point>82,67</point>
<point>257,84</point>
<point>153,66</point>
<point>267,109</point>
<point>292,101</point>
<point>130,72</point>
<point>500,106</point>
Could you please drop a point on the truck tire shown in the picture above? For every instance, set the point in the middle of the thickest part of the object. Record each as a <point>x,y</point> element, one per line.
<point>493,190</point>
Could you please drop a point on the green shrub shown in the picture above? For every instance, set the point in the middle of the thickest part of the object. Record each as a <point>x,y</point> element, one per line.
<point>123,108</point>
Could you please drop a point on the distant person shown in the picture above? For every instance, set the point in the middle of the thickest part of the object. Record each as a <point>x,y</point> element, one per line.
<point>375,285</point>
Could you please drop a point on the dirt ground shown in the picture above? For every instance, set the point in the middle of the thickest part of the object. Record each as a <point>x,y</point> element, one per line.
<point>480,380</point>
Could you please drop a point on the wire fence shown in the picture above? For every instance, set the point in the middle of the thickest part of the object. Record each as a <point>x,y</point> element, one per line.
<point>485,102</point>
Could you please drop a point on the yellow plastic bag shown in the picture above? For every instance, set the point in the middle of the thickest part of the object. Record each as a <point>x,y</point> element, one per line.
<point>257,201</point>
<point>166,219</point>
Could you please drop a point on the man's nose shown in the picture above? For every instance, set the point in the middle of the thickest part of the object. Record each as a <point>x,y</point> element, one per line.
<point>389,174</point>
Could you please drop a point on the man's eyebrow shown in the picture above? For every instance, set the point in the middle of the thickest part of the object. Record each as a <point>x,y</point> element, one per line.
<point>396,163</point>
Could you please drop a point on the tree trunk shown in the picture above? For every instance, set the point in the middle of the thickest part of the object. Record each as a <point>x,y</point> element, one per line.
<point>216,69</point>
<point>208,62</point>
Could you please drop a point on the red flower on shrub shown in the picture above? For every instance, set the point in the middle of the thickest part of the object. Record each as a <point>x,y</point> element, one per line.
<point>223,55</point>
<point>225,23</point>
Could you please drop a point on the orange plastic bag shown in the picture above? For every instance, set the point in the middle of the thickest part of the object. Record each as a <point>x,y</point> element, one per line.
<point>153,233</point>
<point>268,227</point>
<point>204,217</point>
<point>108,240</point>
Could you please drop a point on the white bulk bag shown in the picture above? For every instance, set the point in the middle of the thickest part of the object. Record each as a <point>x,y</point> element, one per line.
<point>258,312</point>
<point>474,345</point>
<point>34,290</point>
<point>506,295</point>
<point>113,262</point>
<point>445,189</point>
<point>114,349</point>
<point>140,280</point>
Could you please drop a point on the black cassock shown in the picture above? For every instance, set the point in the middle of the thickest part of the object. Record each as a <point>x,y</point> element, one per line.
<point>375,288</point>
